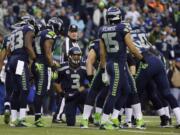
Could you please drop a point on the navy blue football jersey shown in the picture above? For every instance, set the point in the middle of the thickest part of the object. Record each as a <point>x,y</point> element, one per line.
<point>40,40</point>
<point>95,46</point>
<point>71,79</point>
<point>17,44</point>
<point>140,40</point>
<point>113,37</point>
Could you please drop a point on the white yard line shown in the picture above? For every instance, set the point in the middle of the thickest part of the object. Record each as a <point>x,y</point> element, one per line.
<point>148,132</point>
<point>126,130</point>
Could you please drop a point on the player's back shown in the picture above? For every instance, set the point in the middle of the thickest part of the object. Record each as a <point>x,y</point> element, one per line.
<point>140,39</point>
<point>40,42</point>
<point>17,41</point>
<point>113,37</point>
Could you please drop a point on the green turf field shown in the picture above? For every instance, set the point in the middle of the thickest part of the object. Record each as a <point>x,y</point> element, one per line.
<point>61,129</point>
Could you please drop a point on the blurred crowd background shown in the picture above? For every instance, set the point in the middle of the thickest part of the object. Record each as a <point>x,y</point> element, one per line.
<point>160,18</point>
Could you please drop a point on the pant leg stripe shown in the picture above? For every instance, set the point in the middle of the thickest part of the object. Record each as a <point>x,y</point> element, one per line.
<point>116,79</point>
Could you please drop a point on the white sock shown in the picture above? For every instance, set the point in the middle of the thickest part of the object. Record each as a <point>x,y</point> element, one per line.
<point>128,114</point>
<point>121,111</point>
<point>87,111</point>
<point>115,114</point>
<point>137,111</point>
<point>22,113</point>
<point>161,111</point>
<point>98,110</point>
<point>167,111</point>
<point>177,114</point>
<point>14,115</point>
<point>104,118</point>
<point>62,105</point>
<point>61,108</point>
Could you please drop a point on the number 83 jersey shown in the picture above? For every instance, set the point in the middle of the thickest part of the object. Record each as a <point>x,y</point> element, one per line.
<point>17,41</point>
<point>113,37</point>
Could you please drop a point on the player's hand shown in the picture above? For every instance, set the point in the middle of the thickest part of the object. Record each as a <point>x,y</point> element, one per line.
<point>54,75</point>
<point>81,89</point>
<point>55,65</point>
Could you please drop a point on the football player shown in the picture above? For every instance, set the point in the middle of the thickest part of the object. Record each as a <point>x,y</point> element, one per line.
<point>72,78</point>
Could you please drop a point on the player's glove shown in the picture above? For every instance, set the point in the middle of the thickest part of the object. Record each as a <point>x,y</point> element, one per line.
<point>54,75</point>
<point>105,77</point>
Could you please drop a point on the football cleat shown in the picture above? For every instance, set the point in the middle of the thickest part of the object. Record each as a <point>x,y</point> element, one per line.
<point>24,123</point>
<point>39,123</point>
<point>107,126</point>
<point>7,114</point>
<point>115,122</point>
<point>84,123</point>
<point>97,118</point>
<point>140,124</point>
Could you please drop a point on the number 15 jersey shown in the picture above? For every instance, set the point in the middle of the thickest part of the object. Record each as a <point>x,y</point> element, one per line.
<point>113,37</point>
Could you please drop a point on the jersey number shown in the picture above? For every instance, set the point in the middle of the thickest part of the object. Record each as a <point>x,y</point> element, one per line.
<point>16,40</point>
<point>112,45</point>
<point>75,81</point>
<point>140,40</point>
<point>37,45</point>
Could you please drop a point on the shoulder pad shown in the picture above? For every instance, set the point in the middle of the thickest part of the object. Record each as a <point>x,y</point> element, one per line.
<point>52,34</point>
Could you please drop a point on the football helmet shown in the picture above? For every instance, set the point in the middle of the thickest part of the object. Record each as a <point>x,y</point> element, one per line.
<point>74,56</point>
<point>56,24</point>
<point>29,19</point>
<point>113,15</point>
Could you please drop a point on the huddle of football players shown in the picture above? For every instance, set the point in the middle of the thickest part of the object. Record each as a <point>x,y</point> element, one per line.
<point>120,66</point>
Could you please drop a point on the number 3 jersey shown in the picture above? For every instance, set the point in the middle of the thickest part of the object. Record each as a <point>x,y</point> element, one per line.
<point>71,79</point>
<point>113,37</point>
<point>17,41</point>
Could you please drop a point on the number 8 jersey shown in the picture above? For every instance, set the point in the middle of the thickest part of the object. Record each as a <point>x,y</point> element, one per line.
<point>113,37</point>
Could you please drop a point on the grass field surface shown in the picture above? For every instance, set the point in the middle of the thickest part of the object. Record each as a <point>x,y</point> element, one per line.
<point>152,123</point>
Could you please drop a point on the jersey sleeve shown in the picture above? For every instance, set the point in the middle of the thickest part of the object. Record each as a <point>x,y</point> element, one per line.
<point>61,72</point>
<point>84,80</point>
<point>125,29</point>
<point>28,28</point>
<point>100,32</point>
<point>60,76</point>
<point>50,35</point>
